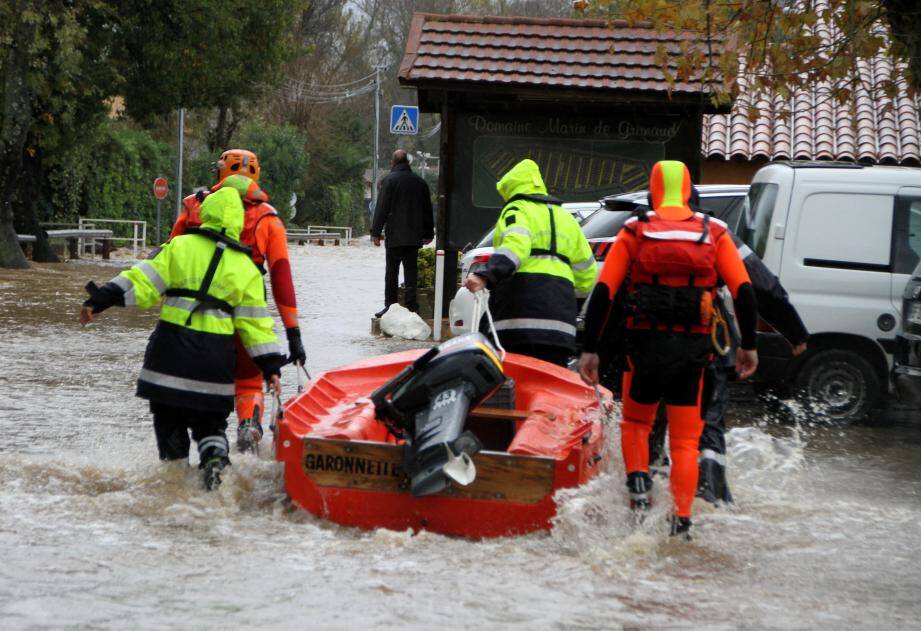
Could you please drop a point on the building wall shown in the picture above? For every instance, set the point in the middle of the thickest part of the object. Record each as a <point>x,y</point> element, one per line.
<point>719,171</point>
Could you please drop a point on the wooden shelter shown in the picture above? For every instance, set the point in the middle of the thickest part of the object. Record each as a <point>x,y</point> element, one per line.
<point>587,100</point>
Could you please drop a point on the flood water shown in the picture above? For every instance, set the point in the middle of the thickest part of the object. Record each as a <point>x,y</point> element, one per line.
<point>96,533</point>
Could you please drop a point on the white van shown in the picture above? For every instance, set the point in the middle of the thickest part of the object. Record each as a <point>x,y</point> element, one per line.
<point>838,236</point>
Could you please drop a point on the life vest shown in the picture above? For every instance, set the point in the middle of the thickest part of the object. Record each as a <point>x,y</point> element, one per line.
<point>255,213</point>
<point>673,277</point>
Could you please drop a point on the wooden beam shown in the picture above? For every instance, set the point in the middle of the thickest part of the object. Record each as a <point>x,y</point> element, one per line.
<point>499,414</point>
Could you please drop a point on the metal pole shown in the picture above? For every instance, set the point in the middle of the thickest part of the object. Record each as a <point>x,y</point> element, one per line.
<point>159,241</point>
<point>377,133</point>
<point>179,162</point>
<point>439,293</point>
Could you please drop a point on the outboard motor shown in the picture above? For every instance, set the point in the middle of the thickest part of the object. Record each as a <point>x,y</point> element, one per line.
<point>427,405</point>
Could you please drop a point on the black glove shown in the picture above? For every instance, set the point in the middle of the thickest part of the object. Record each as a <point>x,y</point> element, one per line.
<point>101,298</point>
<point>296,352</point>
<point>270,365</point>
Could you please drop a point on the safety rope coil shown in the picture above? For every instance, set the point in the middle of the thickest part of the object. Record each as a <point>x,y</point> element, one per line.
<point>719,322</point>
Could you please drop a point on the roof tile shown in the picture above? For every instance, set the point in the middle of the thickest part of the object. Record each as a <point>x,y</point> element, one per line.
<point>561,53</point>
<point>812,124</point>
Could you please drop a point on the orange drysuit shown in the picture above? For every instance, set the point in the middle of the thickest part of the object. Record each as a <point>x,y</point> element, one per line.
<point>672,260</point>
<point>265,233</point>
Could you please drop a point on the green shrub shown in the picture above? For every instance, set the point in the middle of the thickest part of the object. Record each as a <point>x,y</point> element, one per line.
<point>282,158</point>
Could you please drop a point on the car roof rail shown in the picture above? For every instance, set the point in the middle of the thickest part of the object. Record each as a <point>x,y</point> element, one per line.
<point>822,164</point>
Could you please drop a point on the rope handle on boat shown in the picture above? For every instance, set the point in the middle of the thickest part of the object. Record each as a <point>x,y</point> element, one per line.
<point>606,419</point>
<point>301,368</point>
<point>278,409</point>
<point>481,302</point>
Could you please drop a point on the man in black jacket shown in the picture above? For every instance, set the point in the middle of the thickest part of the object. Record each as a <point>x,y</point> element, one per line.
<point>404,210</point>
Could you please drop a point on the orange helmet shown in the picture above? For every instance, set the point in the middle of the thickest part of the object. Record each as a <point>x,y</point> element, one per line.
<point>238,161</point>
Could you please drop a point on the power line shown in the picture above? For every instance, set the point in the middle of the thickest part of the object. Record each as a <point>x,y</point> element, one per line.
<point>342,85</point>
<point>298,91</point>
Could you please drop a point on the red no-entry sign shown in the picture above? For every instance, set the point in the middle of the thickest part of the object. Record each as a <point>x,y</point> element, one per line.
<point>160,188</point>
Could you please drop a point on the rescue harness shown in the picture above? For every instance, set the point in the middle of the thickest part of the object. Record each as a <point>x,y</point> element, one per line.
<point>201,295</point>
<point>548,200</point>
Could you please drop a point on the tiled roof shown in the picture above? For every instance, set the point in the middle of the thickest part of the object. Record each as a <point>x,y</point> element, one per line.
<point>540,52</point>
<point>812,124</point>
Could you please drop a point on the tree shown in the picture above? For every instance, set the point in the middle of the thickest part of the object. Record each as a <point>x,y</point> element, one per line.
<point>60,61</point>
<point>770,45</point>
<point>55,76</point>
<point>904,18</point>
<point>217,54</point>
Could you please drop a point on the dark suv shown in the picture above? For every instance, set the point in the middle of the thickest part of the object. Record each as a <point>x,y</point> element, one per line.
<point>906,372</point>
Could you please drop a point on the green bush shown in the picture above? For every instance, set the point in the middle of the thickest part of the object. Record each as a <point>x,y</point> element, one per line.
<point>109,176</point>
<point>426,261</point>
<point>282,158</point>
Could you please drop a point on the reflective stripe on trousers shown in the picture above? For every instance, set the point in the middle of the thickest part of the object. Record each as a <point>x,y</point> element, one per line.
<point>217,445</point>
<point>709,454</point>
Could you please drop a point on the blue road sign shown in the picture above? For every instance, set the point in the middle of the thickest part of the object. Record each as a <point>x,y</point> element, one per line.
<point>404,119</point>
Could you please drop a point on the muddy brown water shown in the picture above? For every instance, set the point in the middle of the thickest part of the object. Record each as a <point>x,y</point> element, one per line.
<point>96,533</point>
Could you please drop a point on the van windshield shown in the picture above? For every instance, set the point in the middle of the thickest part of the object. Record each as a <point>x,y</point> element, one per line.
<point>755,223</point>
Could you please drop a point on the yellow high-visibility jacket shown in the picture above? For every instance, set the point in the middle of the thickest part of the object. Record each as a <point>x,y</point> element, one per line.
<point>210,289</point>
<point>542,262</point>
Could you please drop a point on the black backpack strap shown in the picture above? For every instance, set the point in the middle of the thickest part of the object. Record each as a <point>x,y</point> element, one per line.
<point>220,237</point>
<point>705,231</point>
<point>201,295</point>
<point>540,199</point>
<point>552,251</point>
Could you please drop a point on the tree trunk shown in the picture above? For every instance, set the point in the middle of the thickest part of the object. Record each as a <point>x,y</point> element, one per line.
<point>10,252</point>
<point>26,218</point>
<point>16,119</point>
<point>220,135</point>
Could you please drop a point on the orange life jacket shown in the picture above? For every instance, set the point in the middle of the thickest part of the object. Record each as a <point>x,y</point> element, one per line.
<point>255,213</point>
<point>673,277</point>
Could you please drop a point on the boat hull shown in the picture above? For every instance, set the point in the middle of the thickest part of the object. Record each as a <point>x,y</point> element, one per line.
<point>343,466</point>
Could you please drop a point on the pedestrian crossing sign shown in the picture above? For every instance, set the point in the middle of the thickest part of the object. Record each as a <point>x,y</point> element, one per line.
<point>404,119</point>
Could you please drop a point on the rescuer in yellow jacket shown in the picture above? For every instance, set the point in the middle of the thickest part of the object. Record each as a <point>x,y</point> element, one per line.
<point>212,289</point>
<point>541,264</point>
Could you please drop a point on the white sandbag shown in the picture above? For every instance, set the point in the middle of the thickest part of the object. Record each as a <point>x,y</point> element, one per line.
<point>401,322</point>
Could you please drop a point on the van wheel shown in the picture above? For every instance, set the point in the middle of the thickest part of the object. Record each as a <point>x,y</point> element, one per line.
<point>838,385</point>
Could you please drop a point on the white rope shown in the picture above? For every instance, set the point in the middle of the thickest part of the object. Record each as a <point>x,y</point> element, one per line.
<point>481,302</point>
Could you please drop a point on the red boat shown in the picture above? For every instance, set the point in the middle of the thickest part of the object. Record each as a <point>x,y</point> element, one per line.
<point>348,461</point>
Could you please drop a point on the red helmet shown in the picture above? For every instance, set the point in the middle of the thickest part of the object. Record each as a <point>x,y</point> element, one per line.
<point>238,162</point>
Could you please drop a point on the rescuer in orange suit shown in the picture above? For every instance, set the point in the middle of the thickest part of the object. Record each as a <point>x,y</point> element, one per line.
<point>264,232</point>
<point>673,259</point>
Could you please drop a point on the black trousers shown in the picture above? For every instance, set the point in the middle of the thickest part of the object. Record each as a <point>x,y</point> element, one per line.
<point>553,354</point>
<point>715,402</point>
<point>172,425</point>
<point>407,257</point>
